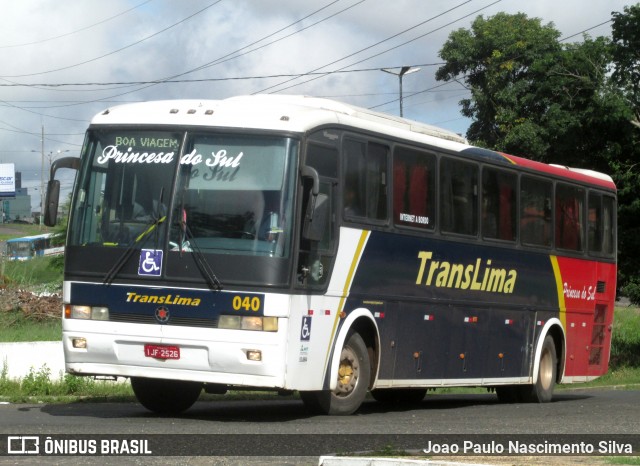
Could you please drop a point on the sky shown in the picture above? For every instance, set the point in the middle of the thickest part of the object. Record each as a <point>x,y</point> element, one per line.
<point>63,62</point>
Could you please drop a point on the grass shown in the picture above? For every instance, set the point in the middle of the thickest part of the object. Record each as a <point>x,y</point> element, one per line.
<point>18,230</point>
<point>15,326</point>
<point>41,386</point>
<point>41,273</point>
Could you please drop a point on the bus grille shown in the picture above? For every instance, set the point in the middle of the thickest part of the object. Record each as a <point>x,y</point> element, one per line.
<point>181,321</point>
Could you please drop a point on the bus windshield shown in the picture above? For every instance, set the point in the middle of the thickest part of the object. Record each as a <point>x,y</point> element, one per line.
<point>232,195</point>
<point>19,249</point>
<point>124,186</point>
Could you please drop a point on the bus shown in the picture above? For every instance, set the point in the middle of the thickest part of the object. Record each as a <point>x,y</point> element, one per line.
<point>293,243</point>
<point>28,247</point>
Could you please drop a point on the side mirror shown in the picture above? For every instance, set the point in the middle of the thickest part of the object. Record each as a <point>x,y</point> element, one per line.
<point>316,217</point>
<point>52,197</point>
<point>51,203</point>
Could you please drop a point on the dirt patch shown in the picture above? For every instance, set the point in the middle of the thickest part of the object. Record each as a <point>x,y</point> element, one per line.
<point>34,307</point>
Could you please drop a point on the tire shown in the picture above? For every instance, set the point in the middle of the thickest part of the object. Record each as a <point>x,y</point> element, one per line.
<point>354,375</point>
<point>542,390</point>
<point>165,396</point>
<point>399,396</point>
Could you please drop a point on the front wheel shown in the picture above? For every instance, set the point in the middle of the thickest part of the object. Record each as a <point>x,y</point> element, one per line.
<point>354,375</point>
<point>165,396</point>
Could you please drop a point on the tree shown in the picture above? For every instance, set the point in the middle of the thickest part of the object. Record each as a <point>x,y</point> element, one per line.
<point>625,33</point>
<point>571,104</point>
<point>503,61</point>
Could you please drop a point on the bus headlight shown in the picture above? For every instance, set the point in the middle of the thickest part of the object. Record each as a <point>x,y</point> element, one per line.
<point>73,311</point>
<point>266,324</point>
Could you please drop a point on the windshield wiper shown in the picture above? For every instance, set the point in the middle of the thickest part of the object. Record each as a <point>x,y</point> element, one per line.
<point>202,263</point>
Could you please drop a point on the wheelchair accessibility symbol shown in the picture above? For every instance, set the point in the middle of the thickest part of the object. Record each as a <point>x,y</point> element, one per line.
<point>305,328</point>
<point>150,262</point>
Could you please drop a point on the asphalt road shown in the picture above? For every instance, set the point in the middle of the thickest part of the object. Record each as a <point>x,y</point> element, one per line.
<point>286,428</point>
<point>571,412</point>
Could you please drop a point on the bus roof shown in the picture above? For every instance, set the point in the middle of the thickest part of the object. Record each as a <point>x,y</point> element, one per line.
<point>31,238</point>
<point>294,113</point>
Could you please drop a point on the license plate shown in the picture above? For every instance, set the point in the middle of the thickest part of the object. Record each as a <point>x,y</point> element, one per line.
<point>162,351</point>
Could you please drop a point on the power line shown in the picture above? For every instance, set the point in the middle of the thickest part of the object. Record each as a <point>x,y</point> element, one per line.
<point>77,30</point>
<point>237,78</point>
<point>362,50</point>
<point>391,48</point>
<point>117,50</point>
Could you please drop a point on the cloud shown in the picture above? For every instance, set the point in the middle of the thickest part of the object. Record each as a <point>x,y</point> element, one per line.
<point>76,41</point>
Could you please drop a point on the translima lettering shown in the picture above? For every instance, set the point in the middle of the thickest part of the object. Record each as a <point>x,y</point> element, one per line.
<point>479,276</point>
<point>178,300</point>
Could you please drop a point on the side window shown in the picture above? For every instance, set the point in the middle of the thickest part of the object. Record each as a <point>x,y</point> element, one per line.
<point>459,197</point>
<point>499,189</point>
<point>324,159</point>
<point>414,188</point>
<point>365,184</point>
<point>600,221</point>
<point>535,212</point>
<point>569,213</point>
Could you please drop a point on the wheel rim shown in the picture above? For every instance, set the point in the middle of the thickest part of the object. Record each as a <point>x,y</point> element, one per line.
<point>546,369</point>
<point>348,372</point>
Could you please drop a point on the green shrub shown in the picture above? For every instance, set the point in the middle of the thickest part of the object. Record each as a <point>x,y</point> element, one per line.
<point>37,383</point>
<point>632,291</point>
<point>625,338</point>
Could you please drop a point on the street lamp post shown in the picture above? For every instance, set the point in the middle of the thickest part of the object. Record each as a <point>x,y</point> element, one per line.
<point>404,70</point>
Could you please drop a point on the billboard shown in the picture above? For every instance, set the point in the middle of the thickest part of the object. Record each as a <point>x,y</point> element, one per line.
<point>7,180</point>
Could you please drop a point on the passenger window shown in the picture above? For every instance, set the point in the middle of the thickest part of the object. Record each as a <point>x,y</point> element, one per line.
<point>414,188</point>
<point>535,212</point>
<point>459,197</point>
<point>569,213</point>
<point>601,237</point>
<point>365,188</point>
<point>499,204</point>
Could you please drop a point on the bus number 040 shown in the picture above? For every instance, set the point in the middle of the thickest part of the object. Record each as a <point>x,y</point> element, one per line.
<point>246,303</point>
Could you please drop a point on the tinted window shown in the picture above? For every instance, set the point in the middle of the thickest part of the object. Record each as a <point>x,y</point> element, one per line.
<point>535,212</point>
<point>414,188</point>
<point>365,190</point>
<point>459,197</point>
<point>499,204</point>
<point>569,217</point>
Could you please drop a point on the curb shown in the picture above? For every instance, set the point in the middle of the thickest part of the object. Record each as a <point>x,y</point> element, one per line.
<point>18,359</point>
<point>351,461</point>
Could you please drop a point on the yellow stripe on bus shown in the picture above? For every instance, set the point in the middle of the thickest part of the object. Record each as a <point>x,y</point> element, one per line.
<point>559,290</point>
<point>347,286</point>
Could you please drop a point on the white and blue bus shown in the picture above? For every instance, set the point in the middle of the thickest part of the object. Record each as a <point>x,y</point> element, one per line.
<point>28,247</point>
<point>296,243</point>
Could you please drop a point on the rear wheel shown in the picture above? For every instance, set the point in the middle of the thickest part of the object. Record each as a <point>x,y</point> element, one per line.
<point>542,390</point>
<point>353,382</point>
<point>165,396</point>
